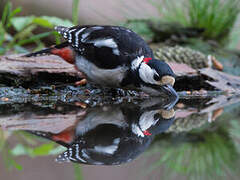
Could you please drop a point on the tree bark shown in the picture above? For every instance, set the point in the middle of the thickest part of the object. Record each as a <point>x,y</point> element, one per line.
<point>18,71</point>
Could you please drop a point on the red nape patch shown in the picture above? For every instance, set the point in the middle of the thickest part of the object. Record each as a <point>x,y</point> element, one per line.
<point>65,136</point>
<point>65,53</point>
<point>146,60</point>
<point>147,133</point>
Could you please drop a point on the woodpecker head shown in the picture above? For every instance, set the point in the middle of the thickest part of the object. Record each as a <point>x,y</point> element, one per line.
<point>155,76</point>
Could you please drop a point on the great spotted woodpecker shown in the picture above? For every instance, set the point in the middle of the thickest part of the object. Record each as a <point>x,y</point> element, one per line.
<point>113,56</point>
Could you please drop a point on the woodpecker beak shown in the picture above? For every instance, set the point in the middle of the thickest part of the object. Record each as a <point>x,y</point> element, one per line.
<point>166,83</point>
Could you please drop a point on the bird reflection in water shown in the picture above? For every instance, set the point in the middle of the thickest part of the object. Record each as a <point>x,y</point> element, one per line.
<point>113,135</point>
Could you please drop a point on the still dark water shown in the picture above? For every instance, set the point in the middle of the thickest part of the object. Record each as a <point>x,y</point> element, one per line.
<point>198,138</point>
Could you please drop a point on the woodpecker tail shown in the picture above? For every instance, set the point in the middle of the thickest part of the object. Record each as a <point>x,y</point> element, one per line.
<point>39,53</point>
<point>47,51</point>
<point>64,157</point>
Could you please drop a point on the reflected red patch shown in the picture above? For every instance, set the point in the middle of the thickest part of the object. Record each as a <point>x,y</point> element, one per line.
<point>65,136</point>
<point>147,133</point>
<point>146,60</point>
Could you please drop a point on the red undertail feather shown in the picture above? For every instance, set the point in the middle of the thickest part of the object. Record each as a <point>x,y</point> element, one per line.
<point>65,136</point>
<point>66,53</point>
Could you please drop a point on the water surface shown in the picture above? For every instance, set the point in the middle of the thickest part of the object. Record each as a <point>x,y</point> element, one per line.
<point>198,138</point>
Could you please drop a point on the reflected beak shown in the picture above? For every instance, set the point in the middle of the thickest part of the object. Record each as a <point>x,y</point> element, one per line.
<point>168,89</point>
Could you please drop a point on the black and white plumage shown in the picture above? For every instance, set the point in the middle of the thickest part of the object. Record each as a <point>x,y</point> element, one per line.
<point>112,142</point>
<point>114,134</point>
<point>115,57</point>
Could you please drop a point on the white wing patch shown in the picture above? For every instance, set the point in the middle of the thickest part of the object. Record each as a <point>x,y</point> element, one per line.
<point>84,33</point>
<point>106,43</point>
<point>116,51</point>
<point>94,28</point>
<point>108,149</point>
<point>97,42</point>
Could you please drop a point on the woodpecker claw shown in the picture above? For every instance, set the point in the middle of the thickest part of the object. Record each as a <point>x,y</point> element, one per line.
<point>81,82</point>
<point>81,104</point>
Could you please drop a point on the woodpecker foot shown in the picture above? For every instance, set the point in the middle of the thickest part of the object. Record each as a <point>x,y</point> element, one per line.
<point>81,82</point>
<point>217,113</point>
<point>117,92</point>
<point>81,104</point>
<point>143,95</point>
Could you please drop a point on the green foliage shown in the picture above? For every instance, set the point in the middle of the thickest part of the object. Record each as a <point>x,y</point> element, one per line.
<point>207,153</point>
<point>75,11</point>
<point>140,27</point>
<point>235,133</point>
<point>29,146</point>
<point>214,156</point>
<point>2,141</point>
<point>20,23</point>
<point>6,154</point>
<point>25,26</point>
<point>234,37</point>
<point>217,17</point>
<point>42,150</point>
<point>78,172</point>
<point>9,160</point>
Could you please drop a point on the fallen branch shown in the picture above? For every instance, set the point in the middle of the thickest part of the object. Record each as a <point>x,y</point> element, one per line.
<point>16,71</point>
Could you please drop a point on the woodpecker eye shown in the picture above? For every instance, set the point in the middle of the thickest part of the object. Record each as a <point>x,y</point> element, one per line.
<point>157,116</point>
<point>156,77</point>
